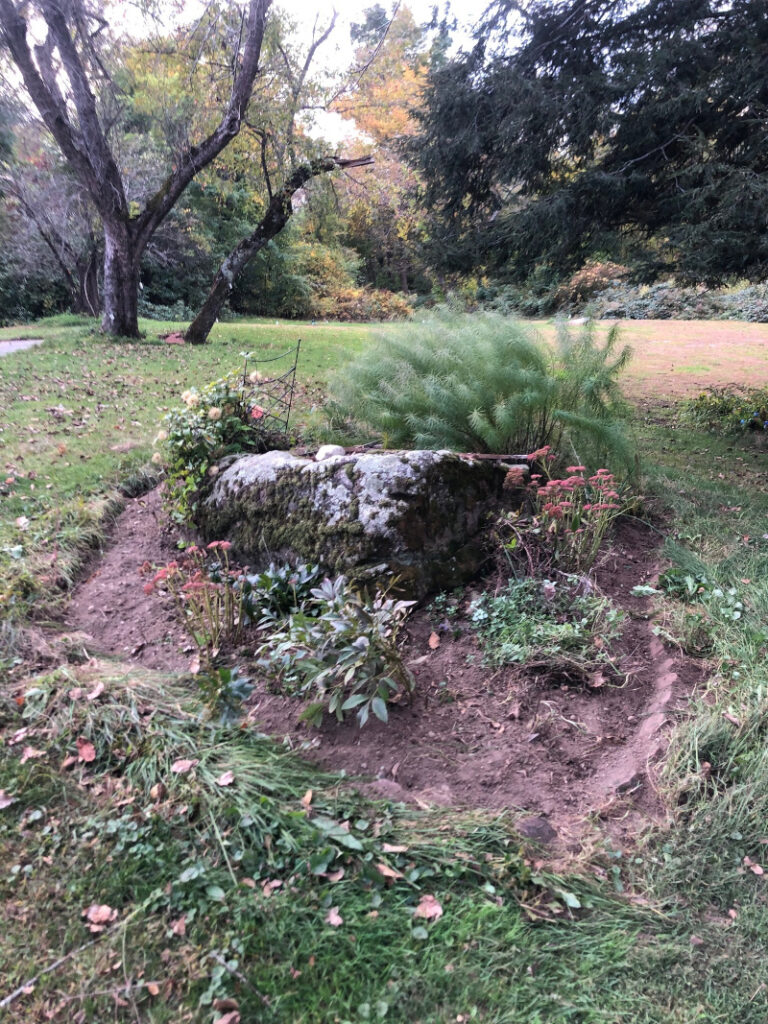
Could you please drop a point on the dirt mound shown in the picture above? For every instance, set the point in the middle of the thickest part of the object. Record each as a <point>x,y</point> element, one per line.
<point>472,736</point>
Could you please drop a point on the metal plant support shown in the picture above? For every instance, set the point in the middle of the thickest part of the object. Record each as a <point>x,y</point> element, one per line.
<point>269,398</point>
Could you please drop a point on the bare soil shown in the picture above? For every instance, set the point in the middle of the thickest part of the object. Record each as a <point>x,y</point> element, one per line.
<point>524,739</point>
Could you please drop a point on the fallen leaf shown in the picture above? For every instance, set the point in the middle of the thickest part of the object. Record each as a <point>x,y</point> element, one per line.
<point>153,988</point>
<point>75,693</point>
<point>225,779</point>
<point>179,926</point>
<point>158,791</point>
<point>390,848</point>
<point>696,941</point>
<point>434,641</point>
<point>732,719</point>
<point>429,908</point>
<point>334,918</point>
<point>732,914</point>
<point>85,750</point>
<point>28,753</point>
<point>335,876</point>
<point>194,666</point>
<point>5,800</point>
<point>234,1016</point>
<point>184,765</point>
<point>295,973</point>
<point>68,762</point>
<point>18,736</point>
<point>387,871</point>
<point>96,691</point>
<point>307,798</point>
<point>226,1003</point>
<point>22,522</point>
<point>269,887</point>
<point>99,915</point>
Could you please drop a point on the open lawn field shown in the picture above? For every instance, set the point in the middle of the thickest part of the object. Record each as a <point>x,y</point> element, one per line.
<point>159,865</point>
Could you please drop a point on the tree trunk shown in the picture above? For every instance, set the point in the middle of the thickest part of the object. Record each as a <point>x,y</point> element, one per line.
<point>86,298</point>
<point>279,212</point>
<point>121,282</point>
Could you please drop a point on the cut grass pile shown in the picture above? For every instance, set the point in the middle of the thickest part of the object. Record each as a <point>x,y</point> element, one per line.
<point>228,877</point>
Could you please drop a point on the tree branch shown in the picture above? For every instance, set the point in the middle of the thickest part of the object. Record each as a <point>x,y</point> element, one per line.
<point>198,157</point>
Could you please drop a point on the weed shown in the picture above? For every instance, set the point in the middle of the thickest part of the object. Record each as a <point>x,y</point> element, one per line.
<point>545,619</point>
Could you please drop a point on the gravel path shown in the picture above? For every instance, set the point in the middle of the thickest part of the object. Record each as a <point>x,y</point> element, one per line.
<point>18,345</point>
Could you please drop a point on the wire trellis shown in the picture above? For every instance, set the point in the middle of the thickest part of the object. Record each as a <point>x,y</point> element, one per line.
<point>269,398</point>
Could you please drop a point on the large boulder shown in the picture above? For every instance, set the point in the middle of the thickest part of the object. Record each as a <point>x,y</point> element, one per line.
<point>418,513</point>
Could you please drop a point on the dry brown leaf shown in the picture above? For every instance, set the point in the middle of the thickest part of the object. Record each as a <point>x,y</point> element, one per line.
<point>335,876</point>
<point>98,916</point>
<point>28,753</point>
<point>269,887</point>
<point>696,941</point>
<point>179,926</point>
<point>6,800</point>
<point>307,798</point>
<point>334,918</point>
<point>153,988</point>
<point>732,719</point>
<point>76,693</point>
<point>158,791</point>
<point>226,1003</point>
<point>234,1016</point>
<point>434,641</point>
<point>96,691</point>
<point>68,761</point>
<point>387,871</point>
<point>390,848</point>
<point>225,779</point>
<point>429,908</point>
<point>85,750</point>
<point>733,914</point>
<point>184,765</point>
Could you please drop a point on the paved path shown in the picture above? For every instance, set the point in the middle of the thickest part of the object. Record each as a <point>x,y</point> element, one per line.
<point>6,347</point>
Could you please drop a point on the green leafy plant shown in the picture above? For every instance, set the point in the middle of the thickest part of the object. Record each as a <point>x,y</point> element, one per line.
<point>483,384</point>
<point>532,620</point>
<point>341,652</point>
<point>278,591</point>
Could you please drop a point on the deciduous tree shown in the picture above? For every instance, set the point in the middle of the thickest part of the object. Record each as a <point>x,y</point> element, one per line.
<point>57,48</point>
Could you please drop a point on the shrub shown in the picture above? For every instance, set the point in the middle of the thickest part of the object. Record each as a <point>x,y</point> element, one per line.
<point>361,305</point>
<point>729,410</point>
<point>481,383</point>
<point>221,419</point>
<point>341,650</point>
<point>591,279</point>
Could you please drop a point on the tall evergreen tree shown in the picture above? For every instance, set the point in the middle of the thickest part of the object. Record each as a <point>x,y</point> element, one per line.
<point>628,129</point>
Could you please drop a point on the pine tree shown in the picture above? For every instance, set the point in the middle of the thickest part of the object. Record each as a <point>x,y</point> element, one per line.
<point>630,130</point>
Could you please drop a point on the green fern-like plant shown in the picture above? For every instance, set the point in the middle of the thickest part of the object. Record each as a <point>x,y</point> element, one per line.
<point>484,383</point>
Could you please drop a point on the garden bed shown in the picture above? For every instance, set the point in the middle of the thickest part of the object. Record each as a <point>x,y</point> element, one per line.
<point>528,738</point>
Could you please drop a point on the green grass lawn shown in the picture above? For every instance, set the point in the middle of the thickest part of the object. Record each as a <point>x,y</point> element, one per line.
<point>212,893</point>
